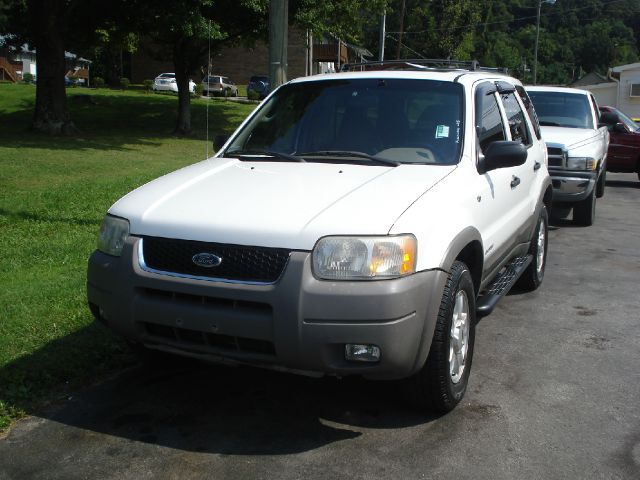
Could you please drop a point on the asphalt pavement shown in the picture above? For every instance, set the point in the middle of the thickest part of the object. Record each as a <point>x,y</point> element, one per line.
<point>554,394</point>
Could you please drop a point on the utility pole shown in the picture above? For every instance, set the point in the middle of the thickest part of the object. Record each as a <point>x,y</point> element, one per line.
<point>278,39</point>
<point>401,30</point>
<point>383,34</point>
<point>535,50</point>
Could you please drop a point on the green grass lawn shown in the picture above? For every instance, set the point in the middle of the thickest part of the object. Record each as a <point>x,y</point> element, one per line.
<point>53,194</point>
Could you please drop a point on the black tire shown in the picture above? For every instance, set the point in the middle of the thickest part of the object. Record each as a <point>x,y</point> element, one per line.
<point>532,277</point>
<point>584,213</point>
<point>601,184</point>
<point>434,386</point>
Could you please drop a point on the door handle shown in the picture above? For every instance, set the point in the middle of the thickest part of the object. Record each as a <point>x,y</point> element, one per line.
<point>515,182</point>
<point>536,166</point>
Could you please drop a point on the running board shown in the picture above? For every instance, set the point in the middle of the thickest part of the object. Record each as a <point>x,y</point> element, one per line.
<point>501,285</point>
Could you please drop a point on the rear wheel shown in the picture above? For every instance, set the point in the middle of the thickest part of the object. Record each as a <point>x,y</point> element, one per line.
<point>442,381</point>
<point>584,213</point>
<point>532,277</point>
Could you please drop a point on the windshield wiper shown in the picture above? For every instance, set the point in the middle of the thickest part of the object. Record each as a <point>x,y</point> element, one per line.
<point>257,154</point>
<point>348,153</point>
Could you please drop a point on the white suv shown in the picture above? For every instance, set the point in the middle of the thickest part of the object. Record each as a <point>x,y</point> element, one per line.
<point>355,223</point>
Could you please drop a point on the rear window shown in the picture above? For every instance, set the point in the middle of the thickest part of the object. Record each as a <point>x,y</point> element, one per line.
<point>257,79</point>
<point>562,109</point>
<point>212,80</point>
<point>167,75</point>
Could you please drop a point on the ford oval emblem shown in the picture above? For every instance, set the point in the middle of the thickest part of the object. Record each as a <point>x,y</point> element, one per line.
<point>206,260</point>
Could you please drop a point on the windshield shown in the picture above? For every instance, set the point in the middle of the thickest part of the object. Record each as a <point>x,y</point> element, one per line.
<point>562,109</point>
<point>405,121</point>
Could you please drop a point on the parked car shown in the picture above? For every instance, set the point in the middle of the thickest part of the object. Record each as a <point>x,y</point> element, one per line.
<point>577,148</point>
<point>219,85</point>
<point>258,84</point>
<point>364,221</point>
<point>624,143</point>
<point>167,82</point>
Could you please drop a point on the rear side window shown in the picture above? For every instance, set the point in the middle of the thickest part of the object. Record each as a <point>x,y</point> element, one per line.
<point>528,105</point>
<point>515,117</point>
<point>489,126</point>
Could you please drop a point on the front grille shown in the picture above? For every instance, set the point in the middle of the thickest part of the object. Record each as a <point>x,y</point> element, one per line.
<point>213,340</point>
<point>556,156</point>
<point>239,262</point>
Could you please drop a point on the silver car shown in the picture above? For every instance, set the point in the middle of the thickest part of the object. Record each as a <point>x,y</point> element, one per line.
<point>219,85</point>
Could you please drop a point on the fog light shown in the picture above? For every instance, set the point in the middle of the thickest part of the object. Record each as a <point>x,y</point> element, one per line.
<point>361,353</point>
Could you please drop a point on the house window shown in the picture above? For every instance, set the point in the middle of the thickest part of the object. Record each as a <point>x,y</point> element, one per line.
<point>635,90</point>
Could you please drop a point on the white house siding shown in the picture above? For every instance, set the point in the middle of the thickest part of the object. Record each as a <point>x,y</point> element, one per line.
<point>629,105</point>
<point>604,93</point>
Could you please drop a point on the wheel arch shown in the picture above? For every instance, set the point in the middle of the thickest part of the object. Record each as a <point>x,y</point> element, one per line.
<point>467,247</point>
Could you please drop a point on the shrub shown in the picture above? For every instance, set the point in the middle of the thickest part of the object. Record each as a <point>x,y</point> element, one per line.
<point>27,77</point>
<point>199,89</point>
<point>148,85</point>
<point>253,95</point>
<point>98,82</point>
<point>74,82</point>
<point>124,83</point>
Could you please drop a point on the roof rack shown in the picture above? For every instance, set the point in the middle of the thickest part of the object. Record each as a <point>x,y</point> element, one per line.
<point>421,64</point>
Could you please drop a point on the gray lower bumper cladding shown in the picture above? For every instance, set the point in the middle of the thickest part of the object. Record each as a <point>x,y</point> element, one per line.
<point>298,323</point>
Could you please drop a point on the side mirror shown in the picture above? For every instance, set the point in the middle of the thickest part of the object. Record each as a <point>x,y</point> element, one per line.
<point>609,118</point>
<point>219,141</point>
<point>620,128</point>
<point>502,154</point>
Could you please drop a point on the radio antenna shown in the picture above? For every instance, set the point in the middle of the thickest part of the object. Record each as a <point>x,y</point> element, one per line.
<point>208,78</point>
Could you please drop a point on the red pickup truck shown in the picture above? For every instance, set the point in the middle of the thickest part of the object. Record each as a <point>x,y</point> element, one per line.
<point>624,143</point>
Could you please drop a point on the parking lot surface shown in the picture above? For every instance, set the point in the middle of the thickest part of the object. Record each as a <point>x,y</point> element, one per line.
<point>554,393</point>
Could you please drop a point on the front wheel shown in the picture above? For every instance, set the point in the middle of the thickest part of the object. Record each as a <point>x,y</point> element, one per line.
<point>584,213</point>
<point>601,184</point>
<point>442,381</point>
<point>532,277</point>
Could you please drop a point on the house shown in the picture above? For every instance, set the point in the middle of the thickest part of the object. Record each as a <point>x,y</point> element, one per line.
<point>15,62</point>
<point>306,56</point>
<point>620,88</point>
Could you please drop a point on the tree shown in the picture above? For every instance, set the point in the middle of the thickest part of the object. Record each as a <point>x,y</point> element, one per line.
<point>51,27</point>
<point>184,30</point>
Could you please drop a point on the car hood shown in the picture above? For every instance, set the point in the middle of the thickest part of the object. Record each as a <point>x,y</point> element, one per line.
<point>569,137</point>
<point>275,204</point>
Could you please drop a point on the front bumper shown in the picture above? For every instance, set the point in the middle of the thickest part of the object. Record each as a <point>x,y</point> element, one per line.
<point>298,323</point>
<point>572,186</point>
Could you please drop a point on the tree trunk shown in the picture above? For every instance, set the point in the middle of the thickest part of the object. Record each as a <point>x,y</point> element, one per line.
<point>51,114</point>
<point>181,65</point>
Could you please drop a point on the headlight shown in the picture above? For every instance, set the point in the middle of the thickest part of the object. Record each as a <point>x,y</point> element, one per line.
<point>113,233</point>
<point>364,258</point>
<point>581,163</point>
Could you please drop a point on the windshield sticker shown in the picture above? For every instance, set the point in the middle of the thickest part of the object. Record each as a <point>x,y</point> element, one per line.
<point>442,131</point>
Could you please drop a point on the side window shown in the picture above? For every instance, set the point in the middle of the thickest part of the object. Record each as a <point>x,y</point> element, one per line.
<point>515,117</point>
<point>489,126</point>
<point>528,105</point>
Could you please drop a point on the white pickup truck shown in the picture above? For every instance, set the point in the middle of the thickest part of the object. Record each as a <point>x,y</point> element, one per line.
<point>355,224</point>
<point>577,146</point>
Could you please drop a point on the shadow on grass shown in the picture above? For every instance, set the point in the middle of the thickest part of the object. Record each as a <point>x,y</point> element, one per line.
<point>24,215</point>
<point>196,407</point>
<point>108,121</point>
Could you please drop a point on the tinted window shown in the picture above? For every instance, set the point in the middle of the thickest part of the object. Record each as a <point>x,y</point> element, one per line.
<point>515,117</point>
<point>528,105</point>
<point>410,121</point>
<point>488,120</point>
<point>212,80</point>
<point>562,109</point>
